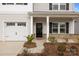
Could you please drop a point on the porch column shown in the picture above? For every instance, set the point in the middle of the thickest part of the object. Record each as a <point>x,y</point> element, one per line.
<point>47,21</point>
<point>31,24</point>
<point>73,25</point>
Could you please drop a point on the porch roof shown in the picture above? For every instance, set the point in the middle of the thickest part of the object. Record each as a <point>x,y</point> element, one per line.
<point>54,14</point>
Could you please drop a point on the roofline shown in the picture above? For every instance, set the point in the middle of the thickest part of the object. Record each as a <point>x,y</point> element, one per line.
<point>54,14</point>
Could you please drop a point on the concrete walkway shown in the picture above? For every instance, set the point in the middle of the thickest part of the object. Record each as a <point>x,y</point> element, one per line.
<point>10,48</point>
<point>39,48</point>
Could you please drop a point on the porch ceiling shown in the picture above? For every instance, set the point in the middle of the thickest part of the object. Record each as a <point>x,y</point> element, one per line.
<point>55,14</point>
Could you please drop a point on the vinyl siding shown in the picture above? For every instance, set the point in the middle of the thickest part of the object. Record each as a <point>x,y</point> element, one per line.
<point>45,7</point>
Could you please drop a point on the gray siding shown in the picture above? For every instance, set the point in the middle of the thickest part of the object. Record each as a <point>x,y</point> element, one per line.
<point>76,29</point>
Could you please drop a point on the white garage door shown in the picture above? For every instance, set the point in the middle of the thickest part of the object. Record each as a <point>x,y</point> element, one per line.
<point>15,31</point>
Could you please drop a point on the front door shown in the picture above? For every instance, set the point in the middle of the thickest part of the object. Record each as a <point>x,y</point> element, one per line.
<point>38,29</point>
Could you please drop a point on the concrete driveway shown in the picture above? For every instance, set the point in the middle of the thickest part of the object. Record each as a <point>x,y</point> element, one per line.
<point>10,48</point>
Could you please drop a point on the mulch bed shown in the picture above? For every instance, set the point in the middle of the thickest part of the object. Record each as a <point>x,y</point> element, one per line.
<point>29,45</point>
<point>51,50</point>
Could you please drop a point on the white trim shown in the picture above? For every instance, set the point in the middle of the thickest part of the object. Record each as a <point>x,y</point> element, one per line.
<point>73,26</point>
<point>58,6</point>
<point>58,27</point>
<point>3,31</point>
<point>31,24</point>
<point>47,21</point>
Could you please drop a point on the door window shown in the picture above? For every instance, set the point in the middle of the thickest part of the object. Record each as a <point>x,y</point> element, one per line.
<point>10,23</point>
<point>21,24</point>
<point>14,23</point>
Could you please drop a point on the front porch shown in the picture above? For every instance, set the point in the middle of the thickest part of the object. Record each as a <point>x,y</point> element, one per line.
<point>59,25</point>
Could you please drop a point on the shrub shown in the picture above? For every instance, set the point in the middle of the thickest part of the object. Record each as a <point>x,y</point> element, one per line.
<point>61,48</point>
<point>30,38</point>
<point>52,39</point>
<point>78,40</point>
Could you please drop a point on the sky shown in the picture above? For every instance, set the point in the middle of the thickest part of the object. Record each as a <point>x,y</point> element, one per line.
<point>76,7</point>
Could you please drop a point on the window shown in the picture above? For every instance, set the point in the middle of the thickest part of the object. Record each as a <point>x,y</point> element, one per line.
<point>3,3</point>
<point>25,3</point>
<point>55,27</point>
<point>21,3</point>
<point>63,6</point>
<point>62,28</point>
<point>58,6</point>
<point>55,6</point>
<point>10,23</point>
<point>14,4</point>
<point>7,3</point>
<point>14,23</point>
<point>59,27</point>
<point>10,3</point>
<point>21,23</point>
